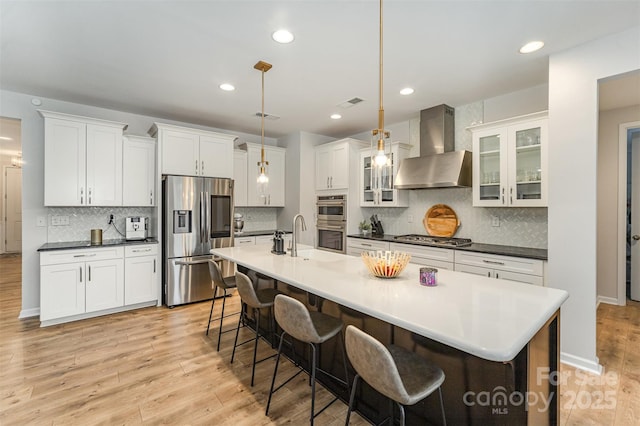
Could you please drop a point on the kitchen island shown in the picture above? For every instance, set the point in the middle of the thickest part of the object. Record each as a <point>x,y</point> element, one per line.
<point>496,340</point>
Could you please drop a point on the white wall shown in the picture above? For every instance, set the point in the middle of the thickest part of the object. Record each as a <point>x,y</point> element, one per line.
<point>522,102</point>
<point>573,160</point>
<point>17,105</point>
<point>608,172</point>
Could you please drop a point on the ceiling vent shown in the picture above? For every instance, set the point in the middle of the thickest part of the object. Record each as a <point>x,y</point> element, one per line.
<point>351,102</point>
<point>267,116</point>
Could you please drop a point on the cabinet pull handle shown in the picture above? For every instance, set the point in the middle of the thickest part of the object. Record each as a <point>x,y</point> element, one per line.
<point>327,181</point>
<point>89,273</point>
<point>511,194</point>
<point>331,182</point>
<point>196,166</point>
<point>269,199</point>
<point>154,266</point>
<point>202,168</point>
<point>366,245</point>
<point>151,197</point>
<point>141,250</point>
<point>81,195</point>
<point>89,201</point>
<point>488,274</point>
<point>84,255</point>
<point>492,262</point>
<point>497,275</point>
<point>81,274</point>
<point>503,195</point>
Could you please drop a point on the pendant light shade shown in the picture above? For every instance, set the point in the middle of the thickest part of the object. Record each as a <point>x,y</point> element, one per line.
<point>380,140</point>
<point>262,182</point>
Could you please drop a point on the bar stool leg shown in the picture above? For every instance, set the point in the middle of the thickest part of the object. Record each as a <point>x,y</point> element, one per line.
<point>224,299</point>
<point>401,414</point>
<point>352,398</point>
<point>444,418</point>
<point>313,381</point>
<point>255,346</point>
<point>240,320</point>
<point>275,371</point>
<point>211,312</point>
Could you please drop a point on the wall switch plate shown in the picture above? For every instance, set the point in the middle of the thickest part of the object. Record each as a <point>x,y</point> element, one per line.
<point>495,221</point>
<point>41,221</point>
<point>55,220</point>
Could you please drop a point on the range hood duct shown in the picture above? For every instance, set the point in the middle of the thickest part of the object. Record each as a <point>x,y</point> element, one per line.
<point>439,165</point>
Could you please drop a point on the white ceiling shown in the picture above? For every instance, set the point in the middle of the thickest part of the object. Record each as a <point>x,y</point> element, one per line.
<point>167,58</point>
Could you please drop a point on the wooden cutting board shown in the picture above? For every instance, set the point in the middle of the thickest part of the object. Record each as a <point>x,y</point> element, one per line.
<point>441,221</point>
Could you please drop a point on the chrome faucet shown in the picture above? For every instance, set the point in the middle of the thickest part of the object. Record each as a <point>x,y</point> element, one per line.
<point>294,238</point>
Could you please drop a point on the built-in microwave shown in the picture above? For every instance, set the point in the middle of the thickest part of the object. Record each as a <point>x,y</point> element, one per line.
<point>331,208</point>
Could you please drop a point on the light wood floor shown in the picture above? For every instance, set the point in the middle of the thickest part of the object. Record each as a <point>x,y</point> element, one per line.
<point>156,366</point>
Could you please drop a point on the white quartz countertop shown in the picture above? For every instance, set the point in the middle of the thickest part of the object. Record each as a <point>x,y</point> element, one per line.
<point>490,318</point>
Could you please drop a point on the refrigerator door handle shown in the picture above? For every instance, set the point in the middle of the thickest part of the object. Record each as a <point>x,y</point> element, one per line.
<point>207,223</point>
<point>201,217</point>
<point>192,262</point>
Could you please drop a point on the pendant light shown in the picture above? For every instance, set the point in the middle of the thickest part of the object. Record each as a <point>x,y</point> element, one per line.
<point>380,140</point>
<point>263,179</point>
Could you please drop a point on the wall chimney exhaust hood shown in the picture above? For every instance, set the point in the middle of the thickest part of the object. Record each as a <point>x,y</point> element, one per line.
<point>439,165</point>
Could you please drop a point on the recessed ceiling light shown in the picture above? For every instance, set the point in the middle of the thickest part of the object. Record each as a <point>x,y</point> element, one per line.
<point>227,87</point>
<point>532,46</point>
<point>406,91</point>
<point>336,116</point>
<point>282,36</point>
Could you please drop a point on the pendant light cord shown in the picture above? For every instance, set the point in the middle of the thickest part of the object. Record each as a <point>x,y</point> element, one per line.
<point>262,125</point>
<point>381,112</point>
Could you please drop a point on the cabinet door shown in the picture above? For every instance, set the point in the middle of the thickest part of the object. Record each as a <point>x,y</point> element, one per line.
<point>240,178</point>
<point>527,164</point>
<point>64,167</point>
<point>265,239</point>
<point>276,158</point>
<point>339,178</point>
<point>104,284</point>
<point>323,168</point>
<point>522,278</point>
<point>104,166</point>
<point>140,279</point>
<point>244,241</point>
<point>61,290</point>
<point>476,270</point>
<point>253,199</point>
<point>216,157</point>
<point>180,152</point>
<point>490,168</point>
<point>138,172</point>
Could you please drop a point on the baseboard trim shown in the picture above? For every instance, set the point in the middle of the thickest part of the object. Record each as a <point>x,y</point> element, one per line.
<point>607,300</point>
<point>29,313</point>
<point>581,363</point>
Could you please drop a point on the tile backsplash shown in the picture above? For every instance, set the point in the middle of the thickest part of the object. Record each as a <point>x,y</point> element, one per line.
<point>259,218</point>
<point>83,219</point>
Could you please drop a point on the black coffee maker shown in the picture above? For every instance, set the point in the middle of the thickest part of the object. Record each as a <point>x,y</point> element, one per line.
<point>278,243</point>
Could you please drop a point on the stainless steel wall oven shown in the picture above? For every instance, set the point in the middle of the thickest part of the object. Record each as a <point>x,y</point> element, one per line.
<point>332,223</point>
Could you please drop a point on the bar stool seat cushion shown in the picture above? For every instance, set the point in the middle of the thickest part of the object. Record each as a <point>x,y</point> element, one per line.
<point>266,297</point>
<point>395,372</point>
<point>304,325</point>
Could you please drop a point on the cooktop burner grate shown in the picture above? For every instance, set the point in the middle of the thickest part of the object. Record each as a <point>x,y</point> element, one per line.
<point>441,241</point>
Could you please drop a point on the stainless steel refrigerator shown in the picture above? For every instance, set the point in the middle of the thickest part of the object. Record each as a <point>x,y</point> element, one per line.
<point>198,216</point>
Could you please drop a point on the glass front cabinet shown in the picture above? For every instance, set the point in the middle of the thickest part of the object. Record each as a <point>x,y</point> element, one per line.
<point>386,196</point>
<point>510,162</point>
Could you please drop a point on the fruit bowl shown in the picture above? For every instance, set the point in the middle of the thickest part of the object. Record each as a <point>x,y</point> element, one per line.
<point>385,264</point>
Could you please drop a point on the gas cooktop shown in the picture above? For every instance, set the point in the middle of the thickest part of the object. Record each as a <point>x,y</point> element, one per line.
<point>435,241</point>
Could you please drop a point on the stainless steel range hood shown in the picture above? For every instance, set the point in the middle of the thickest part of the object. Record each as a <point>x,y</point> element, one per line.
<point>438,166</point>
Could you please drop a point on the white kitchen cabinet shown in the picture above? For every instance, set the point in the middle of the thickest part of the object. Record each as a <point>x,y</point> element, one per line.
<point>355,246</point>
<point>386,196</point>
<point>244,241</point>
<point>265,239</point>
<point>83,161</point>
<point>104,286</point>
<point>530,271</point>
<point>240,178</point>
<point>139,171</point>
<point>332,166</point>
<point>191,152</point>
<point>510,162</point>
<point>141,274</point>
<point>75,282</point>
<point>276,157</point>
<point>436,257</point>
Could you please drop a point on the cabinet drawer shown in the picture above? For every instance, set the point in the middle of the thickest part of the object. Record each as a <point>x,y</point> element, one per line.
<point>422,252</point>
<point>56,257</point>
<point>244,241</point>
<point>264,239</point>
<point>141,250</point>
<point>504,263</point>
<point>358,243</point>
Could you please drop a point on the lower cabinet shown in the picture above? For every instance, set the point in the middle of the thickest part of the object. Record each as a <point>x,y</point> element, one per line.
<point>141,274</point>
<point>355,246</point>
<point>529,271</point>
<point>436,257</point>
<point>261,240</point>
<point>82,283</point>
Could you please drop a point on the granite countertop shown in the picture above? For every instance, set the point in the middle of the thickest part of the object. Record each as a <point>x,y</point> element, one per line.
<point>258,233</point>
<point>526,252</point>
<point>67,245</point>
<point>492,319</point>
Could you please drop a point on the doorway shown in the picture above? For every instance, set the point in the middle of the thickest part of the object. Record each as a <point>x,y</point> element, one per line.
<point>10,185</point>
<point>633,215</point>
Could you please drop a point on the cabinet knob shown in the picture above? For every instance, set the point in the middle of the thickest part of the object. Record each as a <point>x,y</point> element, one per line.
<point>636,237</point>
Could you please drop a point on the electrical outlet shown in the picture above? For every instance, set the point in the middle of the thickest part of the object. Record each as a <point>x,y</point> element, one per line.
<point>55,220</point>
<point>495,221</point>
<point>410,218</point>
<point>41,221</point>
<point>64,220</point>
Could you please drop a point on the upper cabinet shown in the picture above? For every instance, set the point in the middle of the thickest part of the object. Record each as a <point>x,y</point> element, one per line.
<point>510,162</point>
<point>192,152</point>
<point>386,196</point>
<point>139,171</point>
<point>83,161</point>
<point>333,165</point>
<point>240,178</point>
<point>275,156</point>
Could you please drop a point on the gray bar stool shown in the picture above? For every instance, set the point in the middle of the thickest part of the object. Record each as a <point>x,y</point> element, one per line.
<point>256,300</point>
<point>401,375</point>
<point>309,327</point>
<point>218,281</point>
